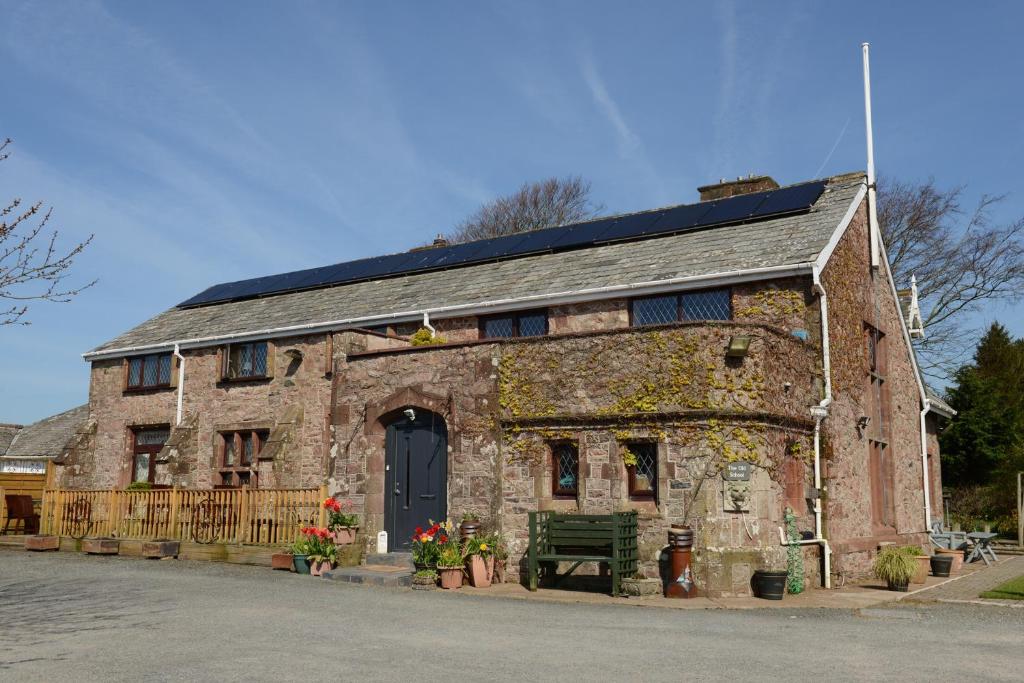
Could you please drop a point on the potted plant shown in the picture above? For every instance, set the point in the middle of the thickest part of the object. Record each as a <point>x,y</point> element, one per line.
<point>424,579</point>
<point>300,555</point>
<point>470,525</point>
<point>639,586</point>
<point>344,525</point>
<point>500,552</point>
<point>895,567</point>
<point>321,552</point>
<point>425,547</point>
<point>450,559</point>
<point>921,573</point>
<point>479,561</point>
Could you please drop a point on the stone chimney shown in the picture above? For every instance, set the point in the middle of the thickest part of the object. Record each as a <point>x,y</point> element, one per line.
<point>742,185</point>
<point>439,241</point>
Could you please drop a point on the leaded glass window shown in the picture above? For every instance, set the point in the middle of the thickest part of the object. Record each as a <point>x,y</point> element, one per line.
<point>147,372</point>
<point>565,470</point>
<point>239,453</point>
<point>247,360</point>
<point>708,304</point>
<point>643,476</point>
<point>147,444</point>
<point>519,324</point>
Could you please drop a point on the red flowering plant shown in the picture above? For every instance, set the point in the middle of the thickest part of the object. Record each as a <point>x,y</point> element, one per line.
<point>426,545</point>
<point>319,544</point>
<point>338,516</point>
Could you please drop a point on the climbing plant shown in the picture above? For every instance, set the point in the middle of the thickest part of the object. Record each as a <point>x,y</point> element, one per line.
<point>794,555</point>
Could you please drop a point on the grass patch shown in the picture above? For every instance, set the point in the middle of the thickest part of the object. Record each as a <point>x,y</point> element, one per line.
<point>1011,590</point>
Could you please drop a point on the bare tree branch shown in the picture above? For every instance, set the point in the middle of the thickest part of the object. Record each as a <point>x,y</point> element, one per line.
<point>960,260</point>
<point>32,266</point>
<point>555,201</point>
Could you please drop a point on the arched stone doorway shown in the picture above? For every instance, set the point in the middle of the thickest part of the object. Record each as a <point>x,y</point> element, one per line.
<point>415,473</point>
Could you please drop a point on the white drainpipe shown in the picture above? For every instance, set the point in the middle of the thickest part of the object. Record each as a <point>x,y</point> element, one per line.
<point>181,381</point>
<point>426,324</point>
<point>924,467</point>
<point>819,413</point>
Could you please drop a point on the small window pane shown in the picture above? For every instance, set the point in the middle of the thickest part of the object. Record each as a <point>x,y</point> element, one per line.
<point>644,479</point>
<point>141,469</point>
<point>247,449</point>
<point>712,304</point>
<point>229,450</point>
<point>134,372</point>
<point>259,363</point>
<point>566,472</point>
<point>164,373</point>
<point>149,371</point>
<point>655,310</point>
<point>533,324</point>
<point>498,327</point>
<point>152,437</point>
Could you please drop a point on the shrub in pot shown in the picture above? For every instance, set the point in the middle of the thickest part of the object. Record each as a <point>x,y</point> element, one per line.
<point>424,579</point>
<point>451,559</point>
<point>895,567</point>
<point>300,555</point>
<point>479,561</point>
<point>342,523</point>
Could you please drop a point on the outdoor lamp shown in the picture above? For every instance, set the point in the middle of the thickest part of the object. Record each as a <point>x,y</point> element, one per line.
<point>738,346</point>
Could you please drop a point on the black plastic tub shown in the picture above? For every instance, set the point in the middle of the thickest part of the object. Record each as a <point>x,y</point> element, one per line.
<point>941,565</point>
<point>769,585</point>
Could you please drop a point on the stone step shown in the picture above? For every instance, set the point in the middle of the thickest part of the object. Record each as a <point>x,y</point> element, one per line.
<point>389,576</point>
<point>403,560</point>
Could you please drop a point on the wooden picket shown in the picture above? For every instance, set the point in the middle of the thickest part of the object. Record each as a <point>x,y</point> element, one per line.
<point>237,516</point>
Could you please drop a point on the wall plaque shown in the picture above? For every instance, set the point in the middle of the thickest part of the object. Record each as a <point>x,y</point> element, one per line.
<point>737,471</point>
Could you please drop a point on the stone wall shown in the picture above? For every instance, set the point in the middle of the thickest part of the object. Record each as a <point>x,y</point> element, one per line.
<point>856,297</point>
<point>295,403</point>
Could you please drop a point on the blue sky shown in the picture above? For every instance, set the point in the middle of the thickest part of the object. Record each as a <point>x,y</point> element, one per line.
<point>204,142</point>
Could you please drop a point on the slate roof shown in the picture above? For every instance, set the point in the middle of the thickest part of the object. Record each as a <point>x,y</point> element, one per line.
<point>783,241</point>
<point>7,432</point>
<point>47,438</point>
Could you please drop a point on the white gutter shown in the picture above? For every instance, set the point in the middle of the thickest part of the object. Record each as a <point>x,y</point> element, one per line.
<point>819,413</point>
<point>494,306</point>
<point>181,381</point>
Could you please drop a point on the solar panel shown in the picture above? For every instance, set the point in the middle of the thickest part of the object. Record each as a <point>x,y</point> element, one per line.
<point>733,209</point>
<point>633,226</point>
<point>790,199</point>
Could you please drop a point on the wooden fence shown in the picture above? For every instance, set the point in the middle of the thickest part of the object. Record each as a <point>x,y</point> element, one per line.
<point>254,516</point>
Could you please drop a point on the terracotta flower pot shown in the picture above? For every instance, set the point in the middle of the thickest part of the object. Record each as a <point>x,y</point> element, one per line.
<point>345,535</point>
<point>282,561</point>
<point>318,568</point>
<point>923,565</point>
<point>481,571</point>
<point>451,577</point>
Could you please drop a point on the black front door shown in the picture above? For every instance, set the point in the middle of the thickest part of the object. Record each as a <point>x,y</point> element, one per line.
<point>415,481</point>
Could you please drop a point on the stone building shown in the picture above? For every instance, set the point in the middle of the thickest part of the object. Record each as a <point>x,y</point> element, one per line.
<point>670,361</point>
<point>27,449</point>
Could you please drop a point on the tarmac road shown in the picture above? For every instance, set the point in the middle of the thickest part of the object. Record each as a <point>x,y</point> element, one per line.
<point>72,617</point>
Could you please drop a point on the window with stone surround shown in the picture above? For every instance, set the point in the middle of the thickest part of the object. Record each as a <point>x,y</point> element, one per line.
<point>519,324</point>
<point>148,372</point>
<point>146,444</point>
<point>643,476</point>
<point>661,309</point>
<point>565,470</point>
<point>878,428</point>
<point>239,452</point>
<point>247,361</point>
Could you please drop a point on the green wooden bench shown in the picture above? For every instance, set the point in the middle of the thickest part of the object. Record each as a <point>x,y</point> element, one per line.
<point>609,539</point>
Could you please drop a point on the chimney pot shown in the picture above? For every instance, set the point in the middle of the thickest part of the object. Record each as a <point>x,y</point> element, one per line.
<point>730,188</point>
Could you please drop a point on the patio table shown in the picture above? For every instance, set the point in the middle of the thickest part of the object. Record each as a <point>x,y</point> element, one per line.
<point>982,547</point>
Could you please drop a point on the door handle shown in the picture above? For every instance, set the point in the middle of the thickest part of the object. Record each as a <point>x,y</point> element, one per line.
<point>398,491</point>
<point>431,496</point>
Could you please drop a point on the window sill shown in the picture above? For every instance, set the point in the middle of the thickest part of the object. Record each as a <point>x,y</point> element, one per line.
<point>262,379</point>
<point>147,390</point>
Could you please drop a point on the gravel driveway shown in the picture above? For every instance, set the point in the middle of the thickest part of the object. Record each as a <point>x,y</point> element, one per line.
<point>65,617</point>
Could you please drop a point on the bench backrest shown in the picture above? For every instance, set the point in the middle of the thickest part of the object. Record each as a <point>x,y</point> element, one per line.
<point>555,532</point>
<point>19,506</point>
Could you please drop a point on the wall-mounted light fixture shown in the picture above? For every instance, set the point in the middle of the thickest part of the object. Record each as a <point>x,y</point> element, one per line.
<point>410,413</point>
<point>738,346</point>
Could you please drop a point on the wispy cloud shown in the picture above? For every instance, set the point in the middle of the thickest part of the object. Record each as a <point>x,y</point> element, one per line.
<point>629,142</point>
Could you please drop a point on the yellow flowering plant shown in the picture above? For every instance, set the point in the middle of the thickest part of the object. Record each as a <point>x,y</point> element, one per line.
<point>479,545</point>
